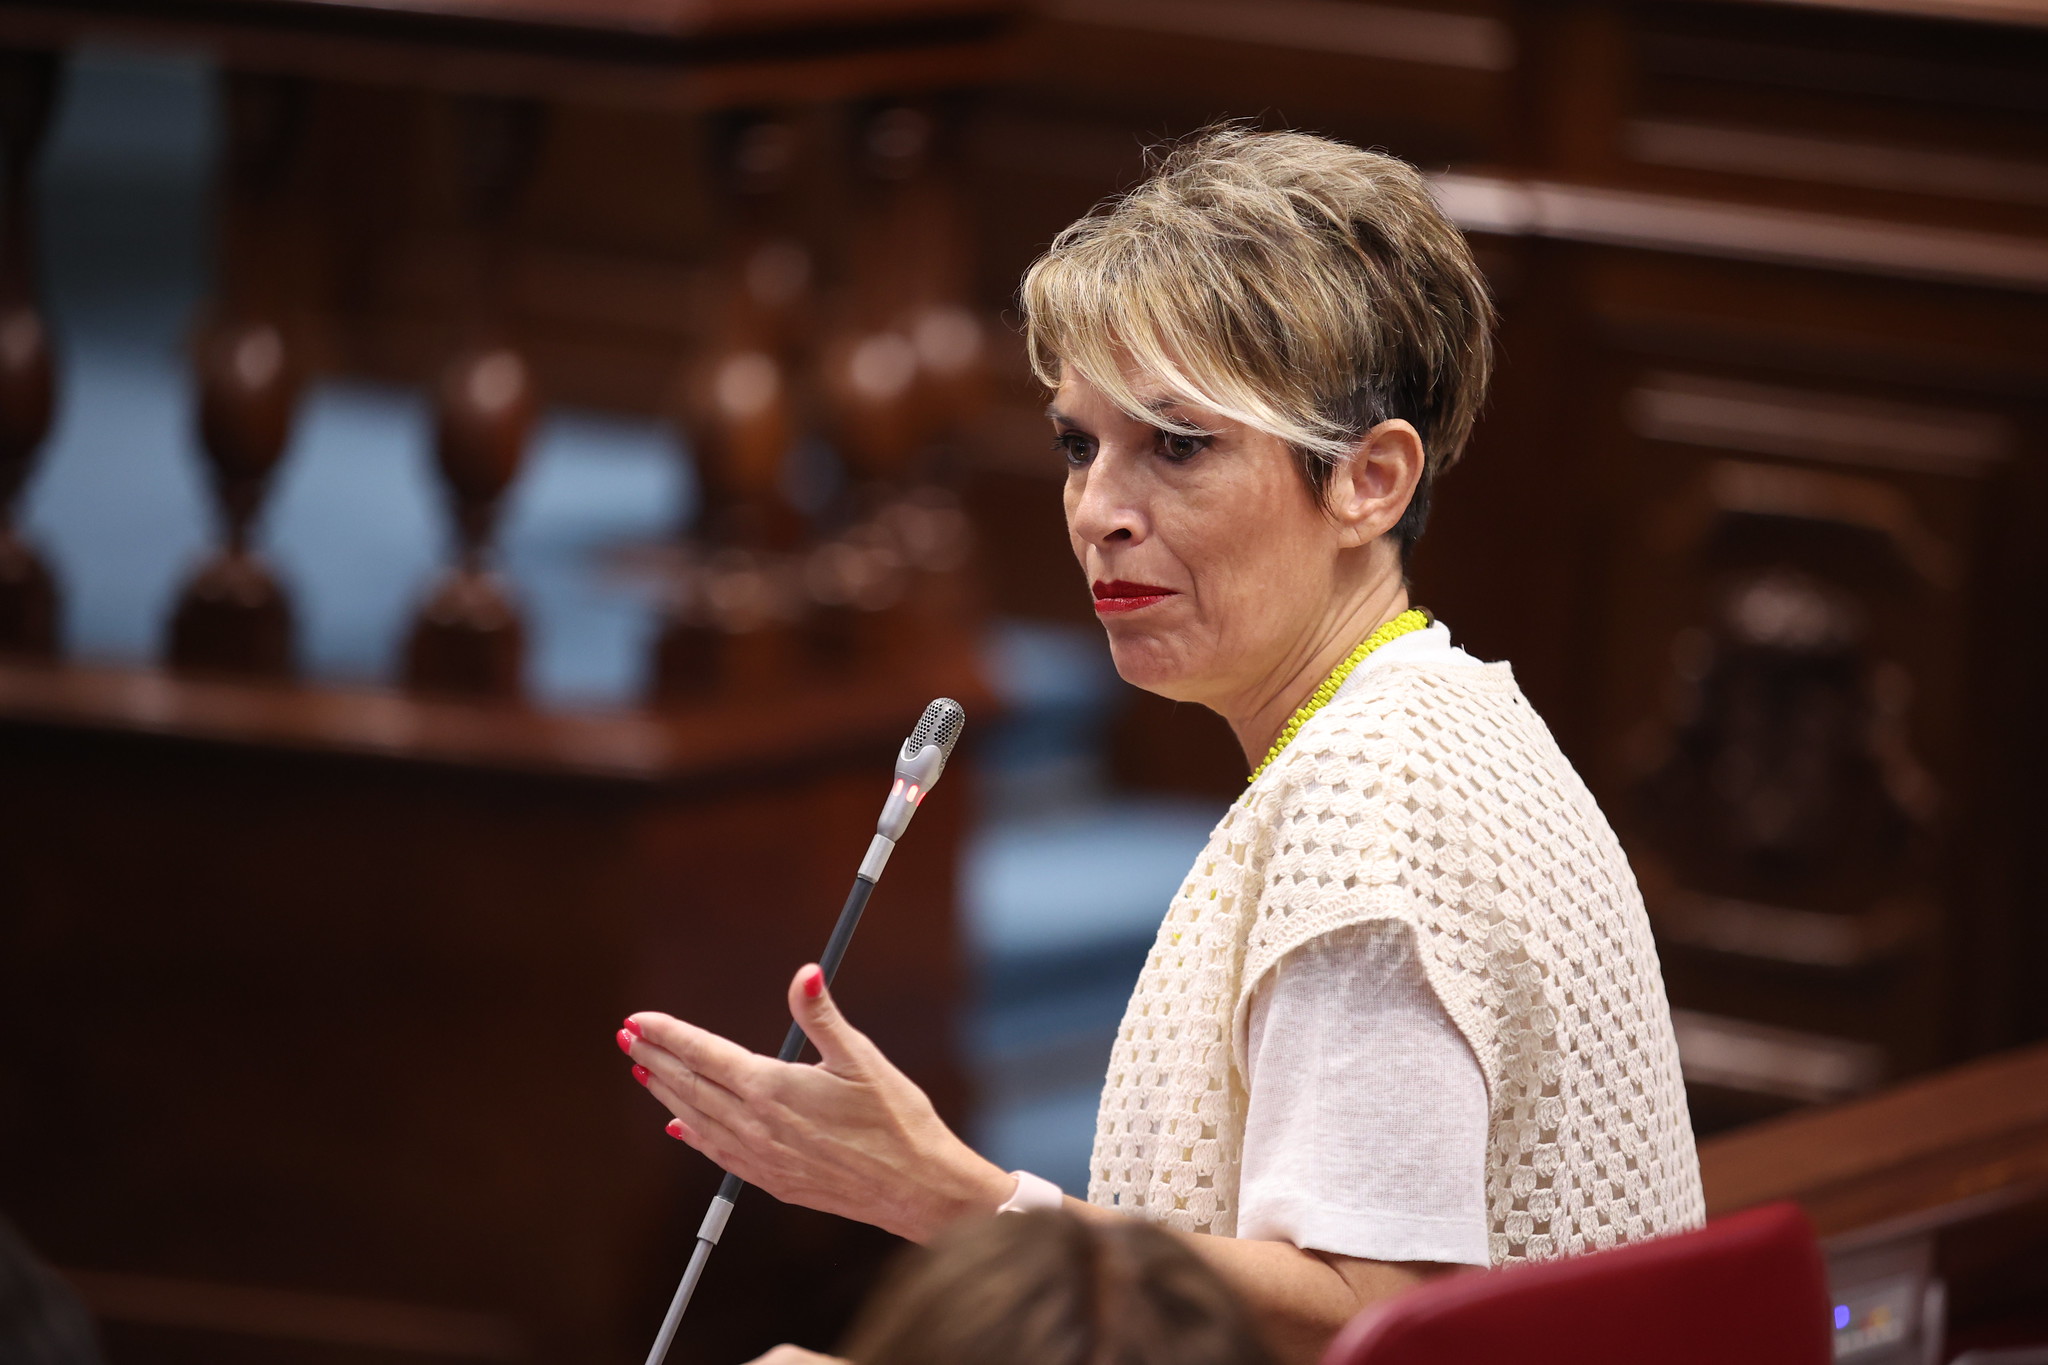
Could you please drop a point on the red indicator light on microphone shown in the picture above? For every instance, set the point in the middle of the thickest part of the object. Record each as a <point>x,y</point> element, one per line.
<point>914,795</point>
<point>896,790</point>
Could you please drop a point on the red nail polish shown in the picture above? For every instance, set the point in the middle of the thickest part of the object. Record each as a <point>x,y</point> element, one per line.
<point>677,1130</point>
<point>632,1027</point>
<point>640,1074</point>
<point>814,982</point>
<point>625,1041</point>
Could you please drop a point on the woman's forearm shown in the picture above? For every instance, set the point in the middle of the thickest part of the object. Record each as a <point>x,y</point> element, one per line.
<point>1300,1298</point>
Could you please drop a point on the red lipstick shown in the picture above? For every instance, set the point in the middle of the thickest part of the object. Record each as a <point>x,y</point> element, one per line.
<point>1118,595</point>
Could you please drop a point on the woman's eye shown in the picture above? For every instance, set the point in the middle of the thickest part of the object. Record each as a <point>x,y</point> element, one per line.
<point>1077,448</point>
<point>1178,446</point>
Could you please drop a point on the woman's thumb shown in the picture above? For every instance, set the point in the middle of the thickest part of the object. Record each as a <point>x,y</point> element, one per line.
<point>839,1044</point>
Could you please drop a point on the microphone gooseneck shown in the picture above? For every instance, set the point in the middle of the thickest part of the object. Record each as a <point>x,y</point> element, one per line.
<point>918,766</point>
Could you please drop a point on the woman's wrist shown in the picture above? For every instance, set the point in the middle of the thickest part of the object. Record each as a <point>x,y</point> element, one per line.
<point>969,1186</point>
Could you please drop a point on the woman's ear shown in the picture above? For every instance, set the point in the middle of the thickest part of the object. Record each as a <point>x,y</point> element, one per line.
<point>1370,491</point>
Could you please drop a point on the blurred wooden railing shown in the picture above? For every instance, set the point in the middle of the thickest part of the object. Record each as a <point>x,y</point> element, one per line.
<point>372,942</point>
<point>815,285</point>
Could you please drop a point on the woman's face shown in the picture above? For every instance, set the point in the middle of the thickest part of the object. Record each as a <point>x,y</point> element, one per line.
<point>1213,568</point>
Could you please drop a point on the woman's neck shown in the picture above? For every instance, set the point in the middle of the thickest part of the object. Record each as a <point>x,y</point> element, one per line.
<point>1268,706</point>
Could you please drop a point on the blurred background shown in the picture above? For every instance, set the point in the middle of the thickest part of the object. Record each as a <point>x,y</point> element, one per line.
<point>485,486</point>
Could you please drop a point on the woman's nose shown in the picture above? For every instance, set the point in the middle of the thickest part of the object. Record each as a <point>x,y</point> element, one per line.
<point>1105,512</point>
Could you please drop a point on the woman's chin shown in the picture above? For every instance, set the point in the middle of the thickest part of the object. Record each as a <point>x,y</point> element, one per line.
<point>1151,664</point>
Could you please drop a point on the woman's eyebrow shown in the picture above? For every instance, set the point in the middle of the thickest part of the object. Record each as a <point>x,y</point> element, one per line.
<point>1168,408</point>
<point>1056,415</point>
<point>1172,412</point>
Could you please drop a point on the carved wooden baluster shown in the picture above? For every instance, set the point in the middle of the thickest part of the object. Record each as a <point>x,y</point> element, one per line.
<point>914,370</point>
<point>861,374</point>
<point>469,638</point>
<point>724,621</point>
<point>868,365</point>
<point>727,622</point>
<point>234,616</point>
<point>764,163</point>
<point>737,401</point>
<point>926,521</point>
<point>930,220</point>
<point>28,597</point>
<point>900,376</point>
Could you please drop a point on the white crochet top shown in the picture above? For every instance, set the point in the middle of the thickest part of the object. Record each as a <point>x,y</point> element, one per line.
<point>1434,795</point>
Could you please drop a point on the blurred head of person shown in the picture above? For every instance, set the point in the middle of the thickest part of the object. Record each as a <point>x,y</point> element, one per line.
<point>1263,357</point>
<point>1048,1288</point>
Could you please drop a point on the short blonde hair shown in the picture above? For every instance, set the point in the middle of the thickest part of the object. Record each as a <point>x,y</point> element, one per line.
<point>1290,282</point>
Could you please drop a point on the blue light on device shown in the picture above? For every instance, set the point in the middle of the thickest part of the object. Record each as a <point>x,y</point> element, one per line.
<point>1841,1316</point>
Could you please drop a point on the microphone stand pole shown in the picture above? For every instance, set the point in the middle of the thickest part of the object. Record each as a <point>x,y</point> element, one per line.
<point>713,1226</point>
<point>918,765</point>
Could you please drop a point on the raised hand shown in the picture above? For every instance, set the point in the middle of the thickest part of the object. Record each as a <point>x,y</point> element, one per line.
<point>851,1135</point>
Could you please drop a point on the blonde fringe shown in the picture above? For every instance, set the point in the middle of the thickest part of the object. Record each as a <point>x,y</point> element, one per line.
<point>1279,280</point>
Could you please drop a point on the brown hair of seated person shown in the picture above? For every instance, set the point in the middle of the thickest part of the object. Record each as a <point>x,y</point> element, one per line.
<point>1048,1288</point>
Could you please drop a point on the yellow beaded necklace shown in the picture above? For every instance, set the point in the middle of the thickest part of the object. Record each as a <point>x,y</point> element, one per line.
<point>1414,619</point>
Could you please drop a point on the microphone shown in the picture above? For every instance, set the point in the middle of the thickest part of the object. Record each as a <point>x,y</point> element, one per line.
<point>918,766</point>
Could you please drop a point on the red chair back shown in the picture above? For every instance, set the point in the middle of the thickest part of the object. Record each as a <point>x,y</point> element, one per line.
<point>1749,1289</point>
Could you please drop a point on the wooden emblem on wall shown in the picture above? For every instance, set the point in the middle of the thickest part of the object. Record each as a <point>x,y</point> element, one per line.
<point>1803,598</point>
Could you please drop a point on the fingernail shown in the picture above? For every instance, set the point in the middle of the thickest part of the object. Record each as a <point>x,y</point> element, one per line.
<point>678,1130</point>
<point>640,1074</point>
<point>625,1041</point>
<point>814,982</point>
<point>632,1026</point>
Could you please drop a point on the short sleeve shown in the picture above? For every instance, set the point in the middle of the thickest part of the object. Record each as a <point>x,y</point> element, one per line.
<point>1367,1122</point>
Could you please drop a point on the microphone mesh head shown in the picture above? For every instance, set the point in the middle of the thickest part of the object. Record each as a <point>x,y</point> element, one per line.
<point>940,724</point>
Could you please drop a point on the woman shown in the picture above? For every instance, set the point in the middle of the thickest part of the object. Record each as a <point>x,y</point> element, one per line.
<point>1405,1014</point>
<point>1047,1288</point>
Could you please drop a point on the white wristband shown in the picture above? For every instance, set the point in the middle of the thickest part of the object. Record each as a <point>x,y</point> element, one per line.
<point>1033,1192</point>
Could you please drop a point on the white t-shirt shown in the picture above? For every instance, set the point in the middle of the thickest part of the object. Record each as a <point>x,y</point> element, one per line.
<point>1366,1132</point>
